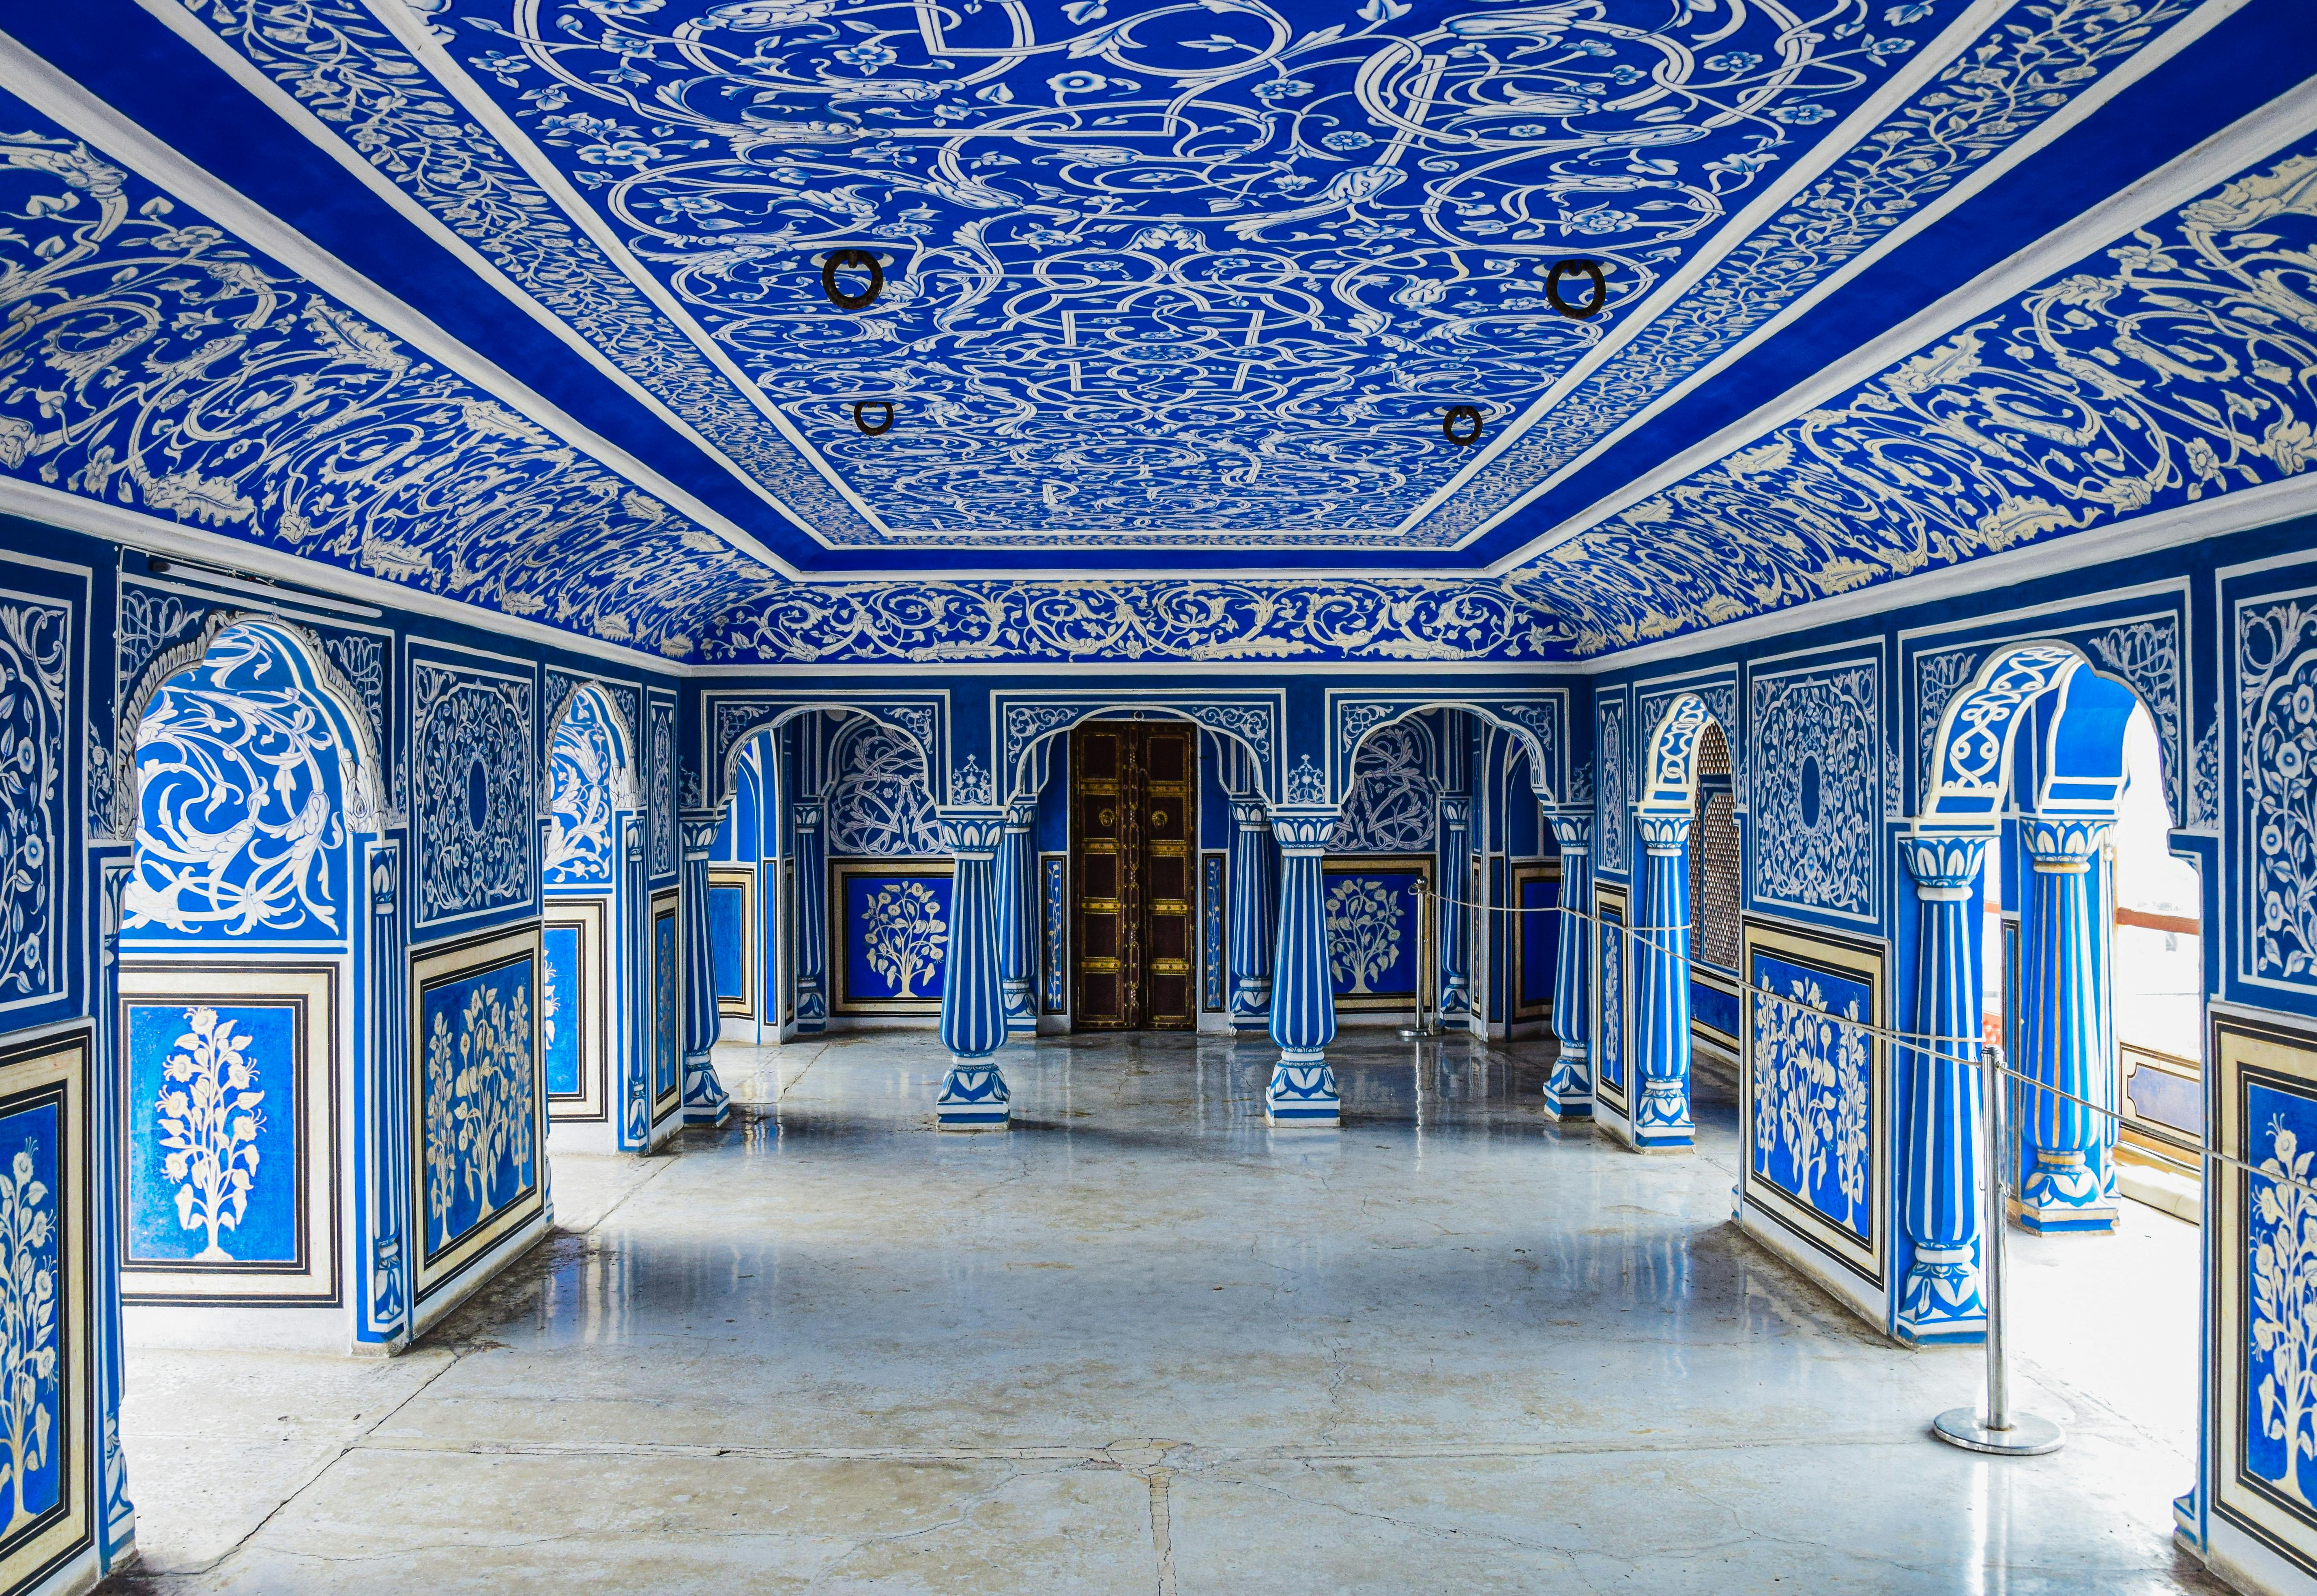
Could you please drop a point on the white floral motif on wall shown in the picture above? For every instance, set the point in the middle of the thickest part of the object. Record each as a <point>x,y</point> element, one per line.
<point>209,1118</point>
<point>2282,1238</point>
<point>582,773</point>
<point>28,1331</point>
<point>1812,1122</point>
<point>471,761</point>
<point>1393,805</point>
<point>878,804</point>
<point>33,651</point>
<point>1363,932</point>
<point>1815,773</point>
<point>2276,742</point>
<point>904,934</point>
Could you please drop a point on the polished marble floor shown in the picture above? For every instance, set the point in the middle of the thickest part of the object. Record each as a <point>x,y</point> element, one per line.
<point>1142,1344</point>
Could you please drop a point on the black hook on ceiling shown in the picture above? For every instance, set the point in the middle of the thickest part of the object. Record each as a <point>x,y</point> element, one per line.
<point>1584,268</point>
<point>859,259</point>
<point>883,428</point>
<point>1468,413</point>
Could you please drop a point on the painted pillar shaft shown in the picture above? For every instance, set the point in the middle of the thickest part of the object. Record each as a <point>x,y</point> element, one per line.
<point>1303,993</point>
<point>1454,919</point>
<point>973,1093</point>
<point>704,1100</point>
<point>2061,1029</point>
<point>1662,990</point>
<point>635,1128</point>
<point>1254,915</point>
<point>811,919</point>
<point>1019,911</point>
<point>1941,1300</point>
<point>1569,1090</point>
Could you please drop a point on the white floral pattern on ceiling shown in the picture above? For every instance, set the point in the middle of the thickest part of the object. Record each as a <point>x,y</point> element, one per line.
<point>1213,271</point>
<point>2167,367</point>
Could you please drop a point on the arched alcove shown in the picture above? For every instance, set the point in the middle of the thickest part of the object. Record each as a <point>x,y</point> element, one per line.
<point>243,938</point>
<point>591,980</point>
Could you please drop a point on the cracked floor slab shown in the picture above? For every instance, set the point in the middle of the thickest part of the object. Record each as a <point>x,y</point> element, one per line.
<point>1142,1344</point>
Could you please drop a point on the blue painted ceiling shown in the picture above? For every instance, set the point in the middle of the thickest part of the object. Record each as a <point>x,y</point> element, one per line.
<point>519,301</point>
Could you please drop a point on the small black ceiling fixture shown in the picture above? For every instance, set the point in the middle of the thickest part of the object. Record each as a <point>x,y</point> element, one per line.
<point>882,428</point>
<point>859,259</point>
<point>1466,413</point>
<point>1583,268</point>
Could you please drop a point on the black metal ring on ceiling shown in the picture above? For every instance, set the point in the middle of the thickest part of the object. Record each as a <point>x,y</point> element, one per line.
<point>857,258</point>
<point>878,431</point>
<point>1591,269</point>
<point>1471,413</point>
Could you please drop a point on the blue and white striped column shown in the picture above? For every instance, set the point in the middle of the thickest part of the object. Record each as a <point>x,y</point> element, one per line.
<point>973,1095</point>
<point>1940,1300</point>
<point>2061,1030</point>
<point>704,1100</point>
<point>811,919</point>
<point>1569,1090</point>
<point>1018,919</point>
<point>1661,986</point>
<point>1454,920</point>
<point>1254,924</point>
<point>1302,1090</point>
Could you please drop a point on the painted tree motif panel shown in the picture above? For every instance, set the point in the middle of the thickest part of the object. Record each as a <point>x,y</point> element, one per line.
<point>1817,773</point>
<point>241,834</point>
<point>1813,1095</point>
<point>2264,1377</point>
<point>215,1098</point>
<point>659,737</point>
<point>1612,756</point>
<point>584,775</point>
<point>471,779</point>
<point>34,1391</point>
<point>228,1119</point>
<point>480,1118</point>
<point>46,1330</point>
<point>35,653</point>
<point>897,928</point>
<point>1376,946</point>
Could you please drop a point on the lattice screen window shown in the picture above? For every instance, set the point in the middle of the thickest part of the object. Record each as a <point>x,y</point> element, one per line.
<point>1713,858</point>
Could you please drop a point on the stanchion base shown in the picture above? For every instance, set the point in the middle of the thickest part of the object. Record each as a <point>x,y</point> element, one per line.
<point>1416,1033</point>
<point>2029,1437</point>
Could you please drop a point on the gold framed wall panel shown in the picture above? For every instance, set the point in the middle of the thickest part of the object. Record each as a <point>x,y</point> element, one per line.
<point>1613,1043</point>
<point>1523,981</point>
<point>844,958</point>
<point>49,1080</point>
<point>1415,924</point>
<point>2265,1091</point>
<point>441,1258</point>
<point>1847,1136</point>
<point>663,1025</point>
<point>588,1006</point>
<point>309,990</point>
<point>742,879</point>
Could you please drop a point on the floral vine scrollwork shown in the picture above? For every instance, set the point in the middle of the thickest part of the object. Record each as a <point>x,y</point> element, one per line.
<point>1817,768</point>
<point>2276,741</point>
<point>34,654</point>
<point>472,755</point>
<point>1811,1108</point>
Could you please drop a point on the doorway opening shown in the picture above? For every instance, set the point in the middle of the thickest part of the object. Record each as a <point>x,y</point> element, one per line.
<point>1133,836</point>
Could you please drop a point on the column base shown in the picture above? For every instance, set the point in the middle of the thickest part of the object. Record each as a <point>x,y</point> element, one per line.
<point>1569,1090</point>
<point>973,1098</point>
<point>1021,1014</point>
<point>2061,1193</point>
<point>1940,1304</point>
<point>705,1100</point>
<point>1250,1004</point>
<point>1661,1118</point>
<point>1303,1091</point>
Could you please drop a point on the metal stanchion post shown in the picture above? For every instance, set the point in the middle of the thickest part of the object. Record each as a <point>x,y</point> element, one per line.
<point>1423,919</point>
<point>2000,1431</point>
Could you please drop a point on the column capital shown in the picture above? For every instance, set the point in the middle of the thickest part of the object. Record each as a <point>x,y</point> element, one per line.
<point>1303,827</point>
<point>1455,809</point>
<point>806,813</point>
<point>971,833</point>
<point>1022,814</point>
<point>1250,814</point>
<point>2063,843</point>
<point>1572,829</point>
<point>1662,833</point>
<point>1944,866</point>
<point>699,827</point>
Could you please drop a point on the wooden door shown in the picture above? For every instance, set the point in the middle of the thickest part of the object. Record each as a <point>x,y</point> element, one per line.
<point>1132,842</point>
